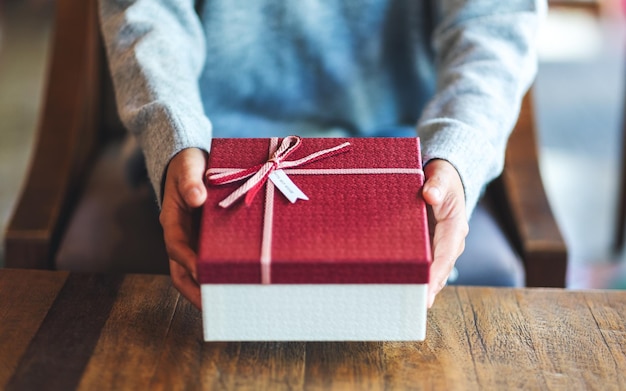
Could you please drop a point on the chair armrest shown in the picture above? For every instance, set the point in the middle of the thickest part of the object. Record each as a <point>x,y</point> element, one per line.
<point>522,201</point>
<point>66,138</point>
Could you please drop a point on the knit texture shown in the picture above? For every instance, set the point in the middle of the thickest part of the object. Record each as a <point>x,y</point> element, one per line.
<point>454,70</point>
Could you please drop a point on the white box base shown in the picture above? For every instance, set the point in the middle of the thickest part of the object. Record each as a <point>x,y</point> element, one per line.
<point>314,312</point>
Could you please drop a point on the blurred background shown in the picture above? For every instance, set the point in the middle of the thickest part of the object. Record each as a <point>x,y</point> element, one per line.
<point>579,95</point>
<point>579,98</point>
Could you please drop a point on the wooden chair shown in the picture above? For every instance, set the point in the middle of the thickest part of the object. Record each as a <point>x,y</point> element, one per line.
<point>620,229</point>
<point>78,123</point>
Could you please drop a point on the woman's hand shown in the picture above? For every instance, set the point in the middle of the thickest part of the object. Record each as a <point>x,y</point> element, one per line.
<point>443,192</point>
<point>184,193</point>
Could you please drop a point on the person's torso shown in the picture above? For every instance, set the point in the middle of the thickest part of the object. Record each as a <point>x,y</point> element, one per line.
<point>316,67</point>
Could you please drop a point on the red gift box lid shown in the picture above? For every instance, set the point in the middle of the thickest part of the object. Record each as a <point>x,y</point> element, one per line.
<point>356,228</point>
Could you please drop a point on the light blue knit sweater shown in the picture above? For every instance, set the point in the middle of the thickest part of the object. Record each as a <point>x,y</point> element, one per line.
<point>454,70</point>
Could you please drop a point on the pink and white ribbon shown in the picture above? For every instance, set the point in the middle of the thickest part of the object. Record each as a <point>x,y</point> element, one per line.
<point>260,173</point>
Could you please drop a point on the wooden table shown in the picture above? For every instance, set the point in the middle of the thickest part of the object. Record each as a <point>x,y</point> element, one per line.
<point>65,330</point>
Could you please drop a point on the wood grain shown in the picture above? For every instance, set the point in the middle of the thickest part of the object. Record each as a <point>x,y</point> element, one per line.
<point>136,332</point>
<point>24,302</point>
<point>132,340</point>
<point>56,356</point>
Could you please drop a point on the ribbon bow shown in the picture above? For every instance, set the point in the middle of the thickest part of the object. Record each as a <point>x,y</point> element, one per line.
<point>260,173</point>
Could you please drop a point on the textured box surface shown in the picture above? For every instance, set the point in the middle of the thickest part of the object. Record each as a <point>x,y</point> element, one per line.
<point>311,270</point>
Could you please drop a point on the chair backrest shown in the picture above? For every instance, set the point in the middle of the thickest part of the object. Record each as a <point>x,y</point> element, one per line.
<point>70,132</point>
<point>620,228</point>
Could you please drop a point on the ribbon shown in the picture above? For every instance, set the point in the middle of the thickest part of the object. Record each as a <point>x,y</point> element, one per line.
<point>260,173</point>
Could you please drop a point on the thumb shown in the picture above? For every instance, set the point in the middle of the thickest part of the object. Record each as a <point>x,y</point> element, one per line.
<point>436,186</point>
<point>191,163</point>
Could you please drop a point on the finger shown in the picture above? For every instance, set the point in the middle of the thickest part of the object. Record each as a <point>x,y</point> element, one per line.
<point>183,282</point>
<point>176,223</point>
<point>448,244</point>
<point>184,191</point>
<point>443,192</point>
<point>190,183</point>
<point>432,191</point>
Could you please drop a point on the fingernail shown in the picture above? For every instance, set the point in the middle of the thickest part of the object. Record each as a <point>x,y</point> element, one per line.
<point>435,192</point>
<point>193,196</point>
<point>194,192</point>
<point>431,300</point>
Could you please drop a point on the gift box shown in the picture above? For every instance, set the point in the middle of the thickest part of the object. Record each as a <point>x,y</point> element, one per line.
<point>314,239</point>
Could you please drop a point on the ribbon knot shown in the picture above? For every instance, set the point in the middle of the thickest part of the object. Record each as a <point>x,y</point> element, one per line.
<point>259,174</point>
<point>275,161</point>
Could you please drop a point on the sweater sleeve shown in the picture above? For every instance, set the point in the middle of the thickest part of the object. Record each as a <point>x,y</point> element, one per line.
<point>155,50</point>
<point>486,60</point>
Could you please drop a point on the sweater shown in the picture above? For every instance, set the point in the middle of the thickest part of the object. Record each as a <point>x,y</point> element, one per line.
<point>449,71</point>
